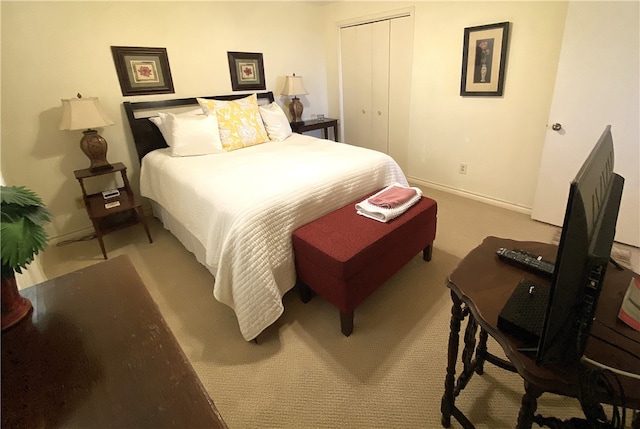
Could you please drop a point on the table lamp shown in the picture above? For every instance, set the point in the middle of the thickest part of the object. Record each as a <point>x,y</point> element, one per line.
<point>86,114</point>
<point>293,86</point>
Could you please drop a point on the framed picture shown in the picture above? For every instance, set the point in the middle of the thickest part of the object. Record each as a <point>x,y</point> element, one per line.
<point>142,71</point>
<point>483,59</point>
<point>247,71</point>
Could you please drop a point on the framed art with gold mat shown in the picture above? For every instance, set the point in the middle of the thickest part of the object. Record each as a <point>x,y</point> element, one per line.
<point>142,71</point>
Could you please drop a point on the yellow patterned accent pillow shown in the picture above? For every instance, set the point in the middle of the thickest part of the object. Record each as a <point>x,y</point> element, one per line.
<point>239,121</point>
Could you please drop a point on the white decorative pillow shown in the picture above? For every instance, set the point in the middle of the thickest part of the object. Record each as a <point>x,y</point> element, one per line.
<point>192,135</point>
<point>239,121</point>
<point>275,121</point>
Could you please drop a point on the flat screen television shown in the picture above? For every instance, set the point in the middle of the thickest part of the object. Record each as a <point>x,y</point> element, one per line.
<point>555,322</point>
<point>584,252</point>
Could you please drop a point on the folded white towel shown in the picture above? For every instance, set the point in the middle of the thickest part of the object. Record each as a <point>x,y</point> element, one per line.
<point>381,214</point>
<point>394,196</point>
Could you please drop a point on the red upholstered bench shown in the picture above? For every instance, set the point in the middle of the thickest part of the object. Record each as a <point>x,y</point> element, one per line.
<point>344,257</point>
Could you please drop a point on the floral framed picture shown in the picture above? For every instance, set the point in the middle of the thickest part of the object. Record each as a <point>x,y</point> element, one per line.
<point>484,58</point>
<point>142,71</point>
<point>247,71</point>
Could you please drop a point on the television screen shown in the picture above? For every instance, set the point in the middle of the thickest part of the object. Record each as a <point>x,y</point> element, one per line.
<point>583,254</point>
<point>584,250</point>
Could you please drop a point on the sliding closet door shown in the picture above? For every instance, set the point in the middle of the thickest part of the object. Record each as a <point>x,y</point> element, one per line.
<point>349,44</point>
<point>400,78</point>
<point>356,81</point>
<point>376,61</point>
<point>379,88</point>
<point>365,84</point>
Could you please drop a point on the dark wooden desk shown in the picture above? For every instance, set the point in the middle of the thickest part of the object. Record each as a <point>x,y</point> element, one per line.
<point>96,353</point>
<point>480,287</point>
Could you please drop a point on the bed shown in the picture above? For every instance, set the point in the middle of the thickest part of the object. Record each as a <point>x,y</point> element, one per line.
<point>236,210</point>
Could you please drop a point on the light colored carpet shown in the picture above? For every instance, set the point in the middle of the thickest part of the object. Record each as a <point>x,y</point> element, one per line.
<point>304,373</point>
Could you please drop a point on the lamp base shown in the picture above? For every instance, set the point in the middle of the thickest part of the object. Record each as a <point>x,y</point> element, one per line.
<point>95,147</point>
<point>296,108</point>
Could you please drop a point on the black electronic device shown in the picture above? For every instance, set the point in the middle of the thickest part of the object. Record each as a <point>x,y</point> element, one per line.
<point>111,193</point>
<point>584,250</point>
<point>517,318</point>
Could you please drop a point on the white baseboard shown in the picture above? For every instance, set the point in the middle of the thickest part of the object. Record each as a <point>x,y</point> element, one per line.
<point>70,236</point>
<point>471,195</point>
<point>84,232</point>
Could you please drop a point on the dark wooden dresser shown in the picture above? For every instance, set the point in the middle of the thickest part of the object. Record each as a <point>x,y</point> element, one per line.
<point>96,353</point>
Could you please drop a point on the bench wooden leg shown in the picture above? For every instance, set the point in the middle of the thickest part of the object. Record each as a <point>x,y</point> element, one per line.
<point>346,323</point>
<point>305,292</point>
<point>426,253</point>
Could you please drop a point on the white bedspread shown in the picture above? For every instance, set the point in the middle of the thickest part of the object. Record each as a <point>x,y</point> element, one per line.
<point>242,206</point>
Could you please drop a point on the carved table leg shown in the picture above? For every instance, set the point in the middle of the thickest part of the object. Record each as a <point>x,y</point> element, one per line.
<point>448,399</point>
<point>467,353</point>
<point>529,405</point>
<point>481,352</point>
<point>469,343</point>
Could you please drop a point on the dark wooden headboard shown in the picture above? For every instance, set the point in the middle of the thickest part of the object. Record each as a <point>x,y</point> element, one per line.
<point>147,136</point>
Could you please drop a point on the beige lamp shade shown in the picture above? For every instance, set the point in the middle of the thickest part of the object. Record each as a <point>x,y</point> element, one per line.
<point>293,85</point>
<point>83,114</point>
<point>86,114</point>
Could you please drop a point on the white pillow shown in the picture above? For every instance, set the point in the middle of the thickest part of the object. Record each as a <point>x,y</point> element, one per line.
<point>275,121</point>
<point>159,121</point>
<point>192,135</point>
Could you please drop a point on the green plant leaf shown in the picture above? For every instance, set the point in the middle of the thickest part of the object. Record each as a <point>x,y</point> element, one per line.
<point>19,195</point>
<point>22,233</point>
<point>38,215</point>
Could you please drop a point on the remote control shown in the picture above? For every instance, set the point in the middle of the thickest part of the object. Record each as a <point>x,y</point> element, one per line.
<point>526,261</point>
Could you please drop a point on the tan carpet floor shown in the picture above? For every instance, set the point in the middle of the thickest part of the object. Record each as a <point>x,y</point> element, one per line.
<point>304,373</point>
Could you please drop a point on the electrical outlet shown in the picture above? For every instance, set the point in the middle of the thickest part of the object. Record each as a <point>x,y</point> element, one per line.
<point>462,168</point>
<point>79,203</point>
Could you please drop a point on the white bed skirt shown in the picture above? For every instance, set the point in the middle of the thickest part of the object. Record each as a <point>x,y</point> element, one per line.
<point>188,240</point>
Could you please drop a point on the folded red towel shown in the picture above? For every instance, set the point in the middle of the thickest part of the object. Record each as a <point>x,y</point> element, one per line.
<point>392,197</point>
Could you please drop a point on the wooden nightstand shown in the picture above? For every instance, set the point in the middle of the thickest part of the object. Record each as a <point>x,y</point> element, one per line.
<point>114,213</point>
<point>317,124</point>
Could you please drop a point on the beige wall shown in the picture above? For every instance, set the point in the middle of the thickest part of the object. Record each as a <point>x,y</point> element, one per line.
<point>497,137</point>
<point>52,50</point>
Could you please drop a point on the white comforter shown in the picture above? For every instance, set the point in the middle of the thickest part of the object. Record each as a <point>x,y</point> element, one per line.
<point>242,206</point>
